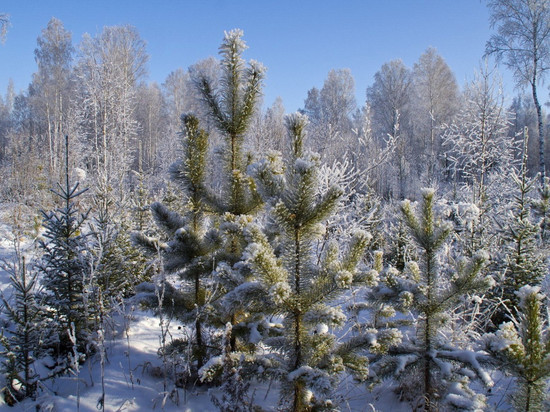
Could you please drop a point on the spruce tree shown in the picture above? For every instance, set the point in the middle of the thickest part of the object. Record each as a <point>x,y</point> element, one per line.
<point>522,347</point>
<point>21,340</point>
<point>424,363</point>
<point>542,207</point>
<point>298,283</point>
<point>65,264</point>
<point>119,265</point>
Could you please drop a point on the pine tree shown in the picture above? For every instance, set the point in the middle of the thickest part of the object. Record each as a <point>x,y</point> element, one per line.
<point>522,346</point>
<point>234,388</point>
<point>65,264</point>
<point>429,289</point>
<point>209,231</point>
<point>21,342</point>
<point>297,282</point>
<point>231,106</point>
<point>193,244</point>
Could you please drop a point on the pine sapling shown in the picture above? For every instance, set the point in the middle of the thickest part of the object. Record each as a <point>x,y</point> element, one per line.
<point>234,387</point>
<point>231,105</point>
<point>522,346</point>
<point>429,289</point>
<point>296,284</point>
<point>193,242</point>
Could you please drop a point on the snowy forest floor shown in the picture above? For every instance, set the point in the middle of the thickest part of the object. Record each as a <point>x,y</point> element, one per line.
<point>133,376</point>
<point>135,359</point>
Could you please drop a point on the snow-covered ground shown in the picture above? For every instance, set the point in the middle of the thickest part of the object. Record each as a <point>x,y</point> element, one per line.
<point>133,377</point>
<point>136,359</point>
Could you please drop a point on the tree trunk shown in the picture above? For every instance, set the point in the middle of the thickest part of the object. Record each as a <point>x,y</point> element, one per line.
<point>297,405</point>
<point>198,326</point>
<point>542,167</point>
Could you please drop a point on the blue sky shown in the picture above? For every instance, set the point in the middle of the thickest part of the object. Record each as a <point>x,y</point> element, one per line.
<point>298,40</point>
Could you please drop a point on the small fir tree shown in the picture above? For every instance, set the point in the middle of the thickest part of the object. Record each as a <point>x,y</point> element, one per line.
<point>21,341</point>
<point>522,346</point>
<point>65,265</point>
<point>119,266</point>
<point>424,362</point>
<point>542,207</point>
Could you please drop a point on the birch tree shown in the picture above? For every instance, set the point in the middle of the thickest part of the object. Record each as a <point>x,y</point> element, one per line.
<point>52,89</point>
<point>480,151</point>
<point>389,99</point>
<point>330,110</point>
<point>110,66</point>
<point>435,101</point>
<point>522,42</point>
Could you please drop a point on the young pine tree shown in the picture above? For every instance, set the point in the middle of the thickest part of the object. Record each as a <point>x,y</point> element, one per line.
<point>298,283</point>
<point>425,363</point>
<point>522,346</point>
<point>524,263</point>
<point>193,243</point>
<point>231,104</point>
<point>231,107</point>
<point>234,388</point>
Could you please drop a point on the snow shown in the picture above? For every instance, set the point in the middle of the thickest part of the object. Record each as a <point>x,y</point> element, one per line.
<point>526,291</point>
<point>470,358</point>
<point>146,393</point>
<point>134,372</point>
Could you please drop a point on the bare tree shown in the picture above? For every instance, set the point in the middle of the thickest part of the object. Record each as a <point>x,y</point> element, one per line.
<point>525,115</point>
<point>481,152</point>
<point>6,109</point>
<point>338,99</point>
<point>522,42</point>
<point>177,91</point>
<point>330,110</point>
<point>151,115</point>
<point>390,99</point>
<point>51,85</point>
<point>110,67</point>
<point>435,102</point>
<point>274,120</point>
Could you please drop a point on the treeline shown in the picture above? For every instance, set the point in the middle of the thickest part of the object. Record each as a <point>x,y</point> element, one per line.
<point>97,94</point>
<point>284,263</point>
